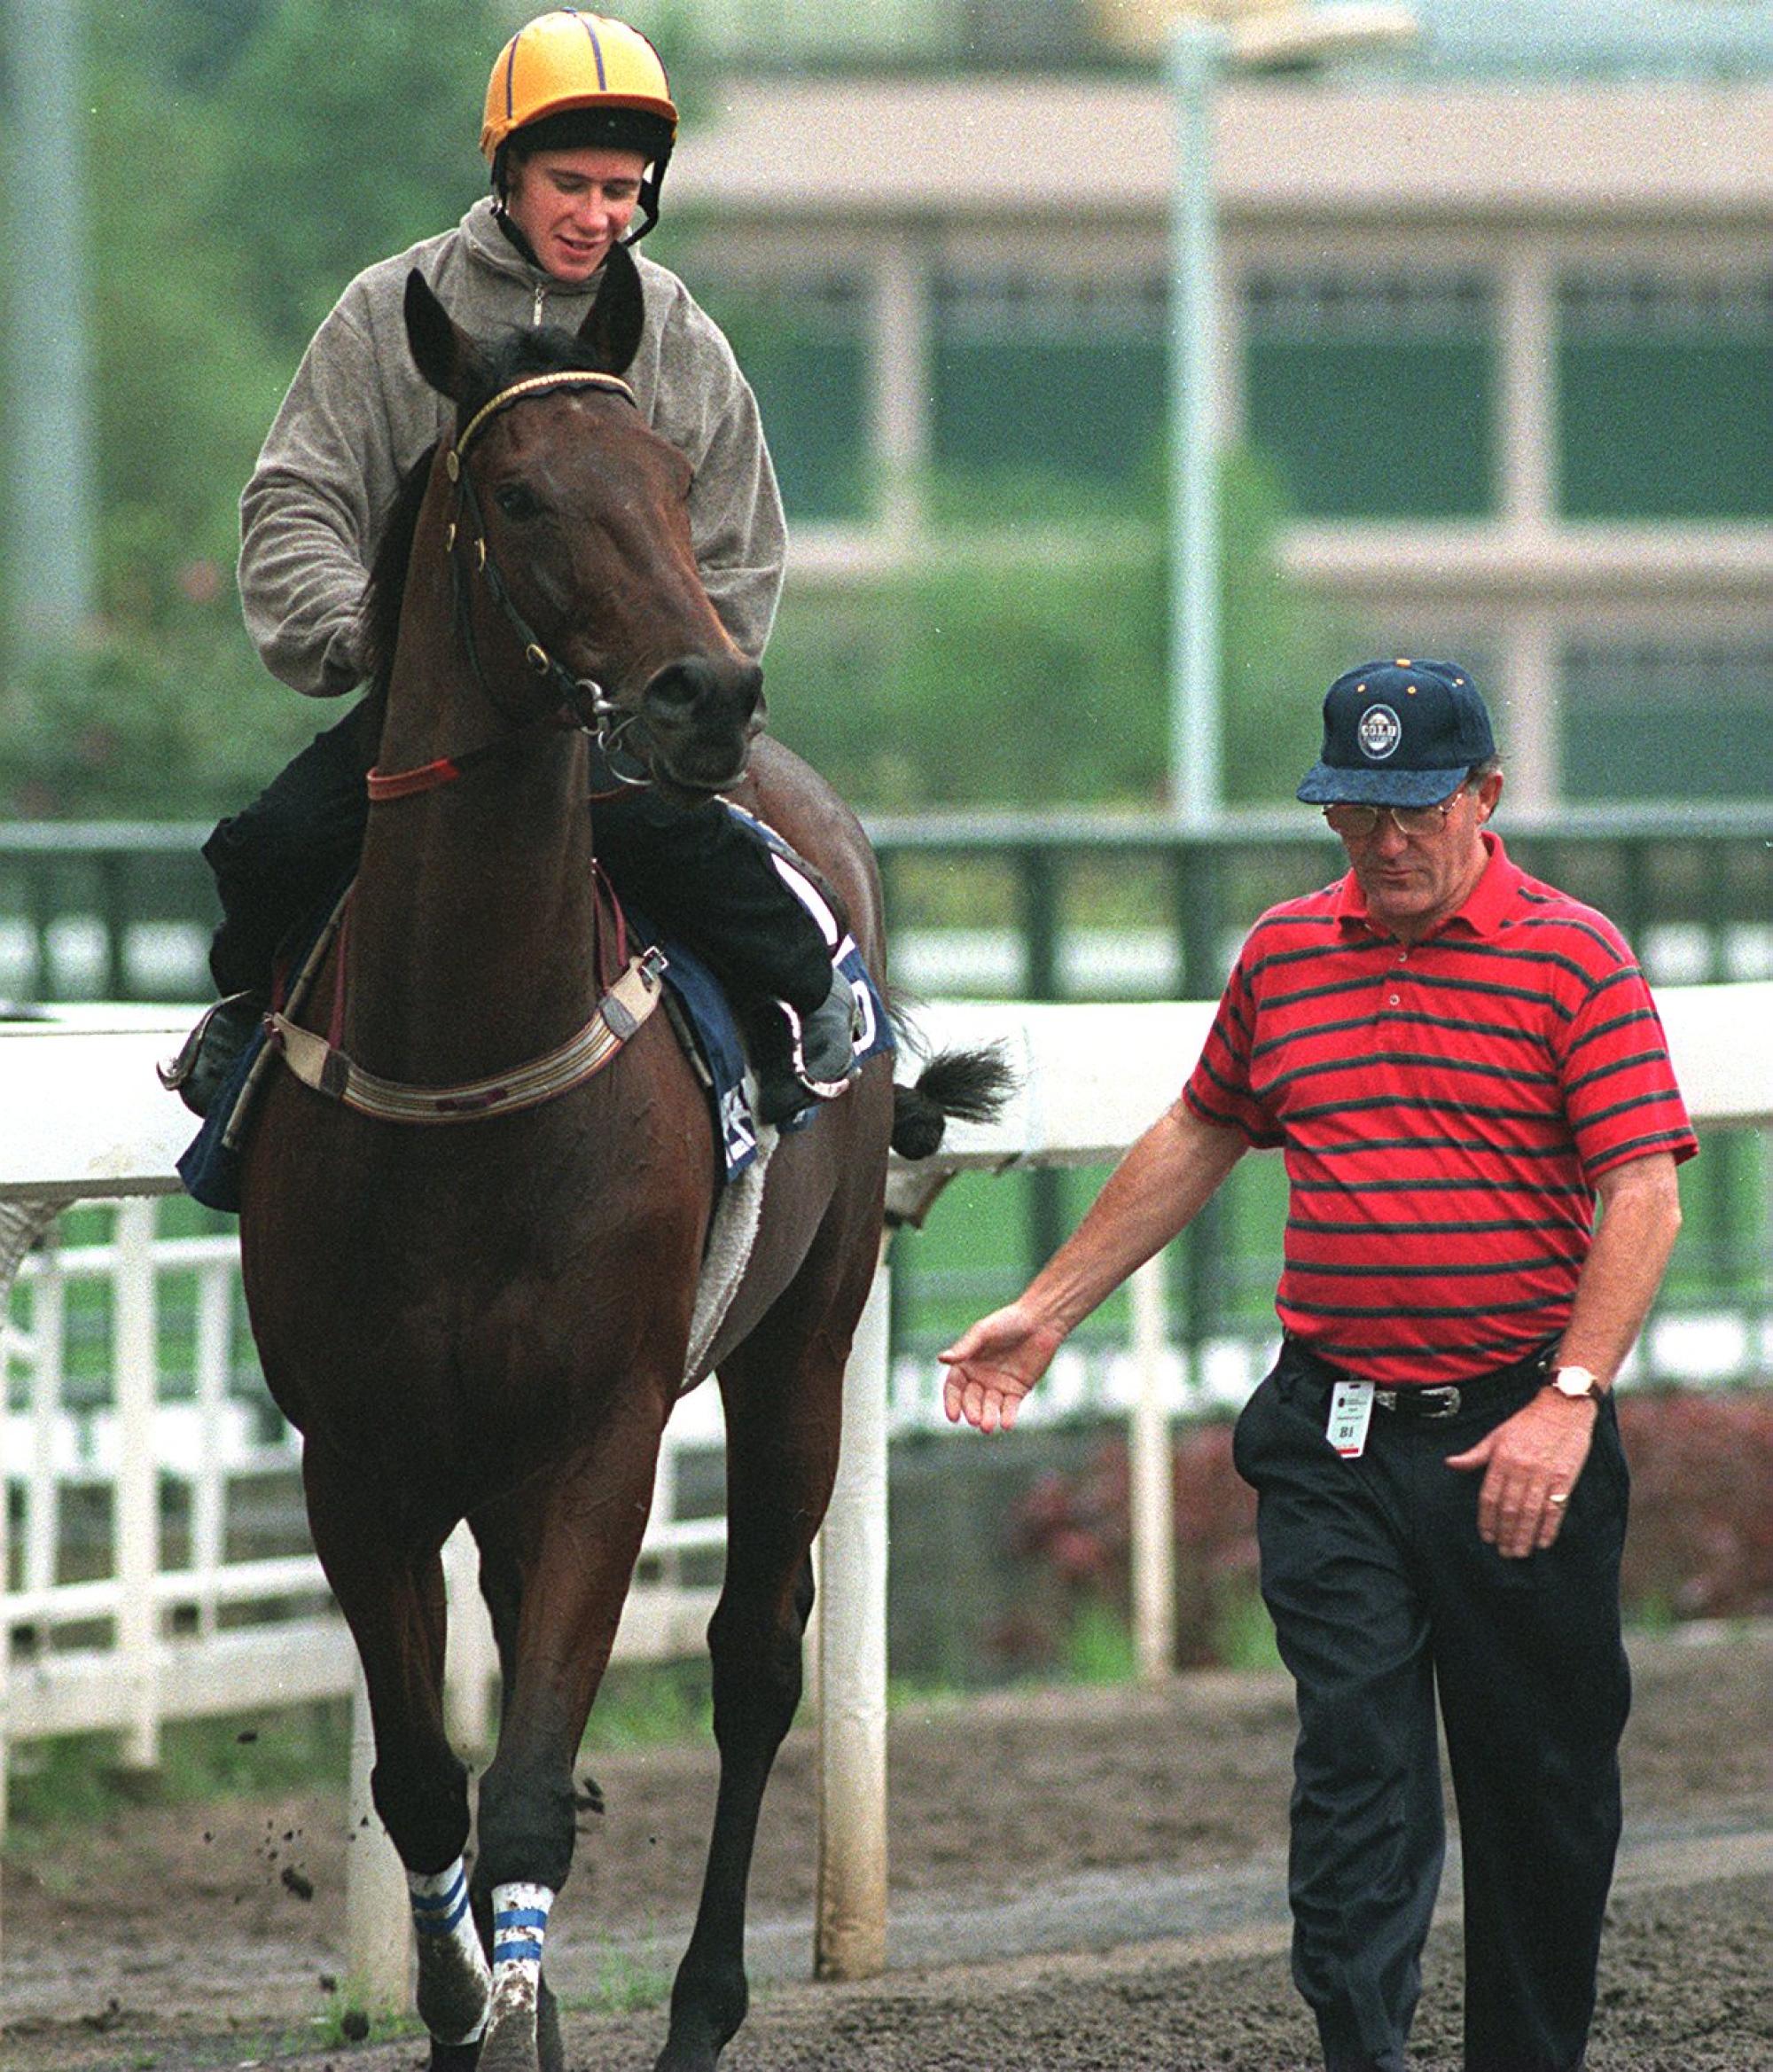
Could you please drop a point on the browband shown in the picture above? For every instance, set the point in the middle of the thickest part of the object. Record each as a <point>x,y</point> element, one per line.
<point>567,377</point>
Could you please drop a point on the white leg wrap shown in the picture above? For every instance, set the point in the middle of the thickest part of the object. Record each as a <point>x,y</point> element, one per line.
<point>455,1981</point>
<point>519,1925</point>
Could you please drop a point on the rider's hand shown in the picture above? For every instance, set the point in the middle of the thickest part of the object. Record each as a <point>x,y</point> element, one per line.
<point>993,1366</point>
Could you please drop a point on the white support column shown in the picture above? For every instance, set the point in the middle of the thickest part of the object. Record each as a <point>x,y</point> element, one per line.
<point>378,1910</point>
<point>1152,1486</point>
<point>136,1516</point>
<point>21,1224</point>
<point>899,383</point>
<point>470,1657</point>
<point>850,1924</point>
<point>1526,400</point>
<point>48,1342</point>
<point>1531,709</point>
<point>208,1505</point>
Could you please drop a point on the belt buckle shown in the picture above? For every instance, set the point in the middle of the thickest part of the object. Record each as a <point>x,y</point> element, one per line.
<point>1446,1405</point>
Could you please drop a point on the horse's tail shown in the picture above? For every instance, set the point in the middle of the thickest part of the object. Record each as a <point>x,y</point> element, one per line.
<point>969,1085</point>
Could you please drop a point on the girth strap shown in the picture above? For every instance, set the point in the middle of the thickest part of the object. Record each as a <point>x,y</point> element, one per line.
<point>319,1064</point>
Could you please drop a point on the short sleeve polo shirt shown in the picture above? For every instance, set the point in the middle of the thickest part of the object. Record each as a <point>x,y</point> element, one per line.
<point>1445,1109</point>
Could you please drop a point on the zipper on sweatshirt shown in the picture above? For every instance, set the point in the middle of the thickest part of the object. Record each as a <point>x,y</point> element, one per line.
<point>541,294</point>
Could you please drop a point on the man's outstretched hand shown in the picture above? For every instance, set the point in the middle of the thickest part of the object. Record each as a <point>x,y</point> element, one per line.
<point>993,1366</point>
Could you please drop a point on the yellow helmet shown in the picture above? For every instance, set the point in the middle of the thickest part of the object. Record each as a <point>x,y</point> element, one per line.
<point>590,80</point>
<point>569,59</point>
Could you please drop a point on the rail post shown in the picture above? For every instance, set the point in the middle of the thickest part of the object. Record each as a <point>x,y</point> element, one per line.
<point>849,1936</point>
<point>1152,1486</point>
<point>137,1514</point>
<point>377,1913</point>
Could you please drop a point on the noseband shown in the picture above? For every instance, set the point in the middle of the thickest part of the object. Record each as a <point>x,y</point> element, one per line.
<point>584,702</point>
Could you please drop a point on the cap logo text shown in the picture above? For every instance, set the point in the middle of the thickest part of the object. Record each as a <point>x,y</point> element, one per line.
<point>1379,732</point>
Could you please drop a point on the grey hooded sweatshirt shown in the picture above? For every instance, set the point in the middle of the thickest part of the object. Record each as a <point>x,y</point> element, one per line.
<point>359,414</point>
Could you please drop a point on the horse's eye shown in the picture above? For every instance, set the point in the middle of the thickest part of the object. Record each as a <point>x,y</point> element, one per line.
<point>517,503</point>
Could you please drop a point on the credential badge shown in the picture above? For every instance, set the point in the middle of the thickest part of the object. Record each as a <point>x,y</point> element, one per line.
<point>1380,732</point>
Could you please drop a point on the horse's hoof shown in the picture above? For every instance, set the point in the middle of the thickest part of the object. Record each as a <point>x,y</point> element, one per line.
<point>510,2043</point>
<point>454,1989</point>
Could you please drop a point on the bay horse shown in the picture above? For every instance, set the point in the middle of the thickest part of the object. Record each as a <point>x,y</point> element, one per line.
<point>491,1322</point>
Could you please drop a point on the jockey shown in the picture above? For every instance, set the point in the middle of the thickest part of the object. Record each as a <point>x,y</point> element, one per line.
<point>578,132</point>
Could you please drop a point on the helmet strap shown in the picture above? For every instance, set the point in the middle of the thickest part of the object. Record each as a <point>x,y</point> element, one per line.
<point>647,208</point>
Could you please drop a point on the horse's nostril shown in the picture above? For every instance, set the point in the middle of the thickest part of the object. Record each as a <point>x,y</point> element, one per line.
<point>675,692</point>
<point>701,692</point>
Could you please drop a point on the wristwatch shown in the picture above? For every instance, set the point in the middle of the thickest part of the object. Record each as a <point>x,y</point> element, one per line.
<point>1576,1381</point>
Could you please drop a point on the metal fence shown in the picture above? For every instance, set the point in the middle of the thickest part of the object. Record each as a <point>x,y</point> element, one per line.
<point>1035,906</point>
<point>1052,906</point>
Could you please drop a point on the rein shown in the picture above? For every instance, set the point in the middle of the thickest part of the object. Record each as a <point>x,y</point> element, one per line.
<point>584,703</point>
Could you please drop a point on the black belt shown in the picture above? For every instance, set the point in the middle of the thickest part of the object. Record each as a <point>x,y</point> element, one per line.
<point>1434,1403</point>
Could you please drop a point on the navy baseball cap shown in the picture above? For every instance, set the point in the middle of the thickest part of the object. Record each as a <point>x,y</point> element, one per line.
<point>1399,733</point>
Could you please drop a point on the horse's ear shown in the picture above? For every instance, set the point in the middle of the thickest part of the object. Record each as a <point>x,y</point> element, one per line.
<point>611,332</point>
<point>444,355</point>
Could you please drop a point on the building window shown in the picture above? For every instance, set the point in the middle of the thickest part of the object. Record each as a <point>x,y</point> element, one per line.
<point>1664,396</point>
<point>1653,721</point>
<point>805,353</point>
<point>1040,377</point>
<point>1374,393</point>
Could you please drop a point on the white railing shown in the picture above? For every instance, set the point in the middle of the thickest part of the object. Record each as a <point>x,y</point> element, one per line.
<point>85,1121</point>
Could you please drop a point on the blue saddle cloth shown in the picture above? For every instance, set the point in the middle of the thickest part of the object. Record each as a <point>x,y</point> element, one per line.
<point>210,1168</point>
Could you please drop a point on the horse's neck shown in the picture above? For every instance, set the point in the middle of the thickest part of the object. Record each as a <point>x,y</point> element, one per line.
<point>472,941</point>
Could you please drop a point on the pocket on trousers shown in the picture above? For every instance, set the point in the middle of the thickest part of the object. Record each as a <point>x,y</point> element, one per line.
<point>1246,1434</point>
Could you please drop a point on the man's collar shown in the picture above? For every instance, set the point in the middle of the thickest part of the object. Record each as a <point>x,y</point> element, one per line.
<point>1480,914</point>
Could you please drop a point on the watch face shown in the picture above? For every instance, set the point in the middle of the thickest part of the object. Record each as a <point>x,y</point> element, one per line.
<point>1573,1381</point>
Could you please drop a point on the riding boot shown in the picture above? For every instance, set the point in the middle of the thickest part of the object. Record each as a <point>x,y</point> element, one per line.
<point>818,1060</point>
<point>703,875</point>
<point>279,864</point>
<point>289,854</point>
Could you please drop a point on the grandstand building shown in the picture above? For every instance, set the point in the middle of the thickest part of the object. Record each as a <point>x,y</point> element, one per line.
<point>1501,322</point>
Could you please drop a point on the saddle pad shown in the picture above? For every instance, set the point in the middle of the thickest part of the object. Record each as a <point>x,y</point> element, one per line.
<point>709,1017</point>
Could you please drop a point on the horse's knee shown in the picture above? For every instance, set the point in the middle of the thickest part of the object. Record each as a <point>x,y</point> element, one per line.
<point>526,1827</point>
<point>426,1816</point>
<point>757,1675</point>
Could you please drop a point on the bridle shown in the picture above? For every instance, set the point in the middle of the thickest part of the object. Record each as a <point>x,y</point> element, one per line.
<point>583,702</point>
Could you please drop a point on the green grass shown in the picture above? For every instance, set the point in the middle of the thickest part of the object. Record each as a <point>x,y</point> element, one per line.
<point>78,1778</point>
<point>1243,1633</point>
<point>1099,1648</point>
<point>625,1984</point>
<point>650,1705</point>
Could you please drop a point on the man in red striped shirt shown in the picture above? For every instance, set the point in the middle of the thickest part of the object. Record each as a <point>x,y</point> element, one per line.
<point>1459,1064</point>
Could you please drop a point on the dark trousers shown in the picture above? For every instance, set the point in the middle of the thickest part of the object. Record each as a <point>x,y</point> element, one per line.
<point>700,874</point>
<point>1382,1594</point>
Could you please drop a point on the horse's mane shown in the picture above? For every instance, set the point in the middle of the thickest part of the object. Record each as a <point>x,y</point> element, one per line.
<point>521,352</point>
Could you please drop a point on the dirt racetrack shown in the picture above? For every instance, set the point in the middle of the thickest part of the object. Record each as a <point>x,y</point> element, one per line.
<point>1081,1879</point>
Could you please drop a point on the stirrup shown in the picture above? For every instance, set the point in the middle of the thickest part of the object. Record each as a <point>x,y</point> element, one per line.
<point>200,1071</point>
<point>821,1060</point>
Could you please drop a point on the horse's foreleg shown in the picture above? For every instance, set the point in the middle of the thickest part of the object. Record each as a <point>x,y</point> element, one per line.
<point>781,1446</point>
<point>574,1553</point>
<point>383,1561</point>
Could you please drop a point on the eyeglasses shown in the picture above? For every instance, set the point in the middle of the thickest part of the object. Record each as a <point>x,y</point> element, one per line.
<point>1359,822</point>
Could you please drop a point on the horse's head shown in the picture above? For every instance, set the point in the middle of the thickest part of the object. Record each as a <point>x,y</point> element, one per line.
<point>584,514</point>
